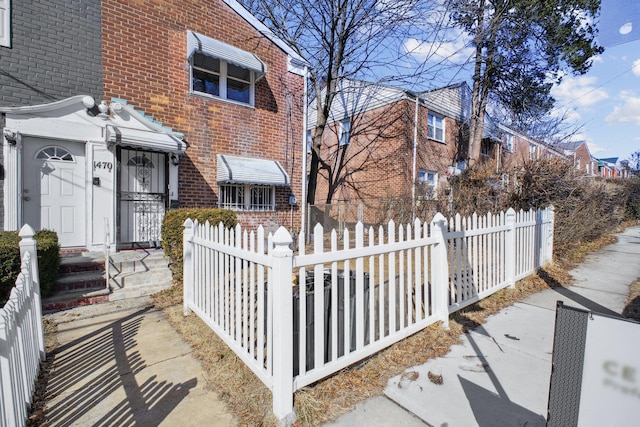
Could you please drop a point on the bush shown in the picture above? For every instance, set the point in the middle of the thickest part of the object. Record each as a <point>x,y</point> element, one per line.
<point>48,261</point>
<point>173,230</point>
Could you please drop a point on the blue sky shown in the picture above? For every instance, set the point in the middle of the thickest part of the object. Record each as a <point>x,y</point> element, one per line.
<point>603,105</point>
<point>606,100</point>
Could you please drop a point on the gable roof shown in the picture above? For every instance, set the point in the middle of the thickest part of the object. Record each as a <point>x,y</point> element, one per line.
<point>296,62</point>
<point>355,97</point>
<point>452,101</point>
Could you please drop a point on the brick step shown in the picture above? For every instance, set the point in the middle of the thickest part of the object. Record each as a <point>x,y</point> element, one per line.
<point>74,298</point>
<point>79,262</point>
<point>84,280</point>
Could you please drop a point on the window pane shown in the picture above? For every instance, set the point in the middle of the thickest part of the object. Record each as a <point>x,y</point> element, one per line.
<point>261,198</point>
<point>238,73</point>
<point>238,91</point>
<point>206,62</point>
<point>206,83</point>
<point>232,196</point>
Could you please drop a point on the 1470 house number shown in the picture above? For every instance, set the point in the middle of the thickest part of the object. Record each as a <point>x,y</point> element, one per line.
<point>103,165</point>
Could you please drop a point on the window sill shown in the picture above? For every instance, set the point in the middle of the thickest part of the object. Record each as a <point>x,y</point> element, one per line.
<point>438,141</point>
<point>217,98</point>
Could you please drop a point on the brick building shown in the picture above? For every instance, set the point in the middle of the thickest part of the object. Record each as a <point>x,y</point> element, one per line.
<point>383,143</point>
<point>124,109</point>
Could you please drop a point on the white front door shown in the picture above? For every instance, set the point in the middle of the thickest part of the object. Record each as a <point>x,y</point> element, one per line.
<point>53,194</point>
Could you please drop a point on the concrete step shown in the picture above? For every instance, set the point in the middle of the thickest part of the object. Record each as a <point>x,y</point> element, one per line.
<point>137,261</point>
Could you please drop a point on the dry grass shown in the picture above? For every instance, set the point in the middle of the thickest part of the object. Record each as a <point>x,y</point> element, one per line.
<point>324,401</point>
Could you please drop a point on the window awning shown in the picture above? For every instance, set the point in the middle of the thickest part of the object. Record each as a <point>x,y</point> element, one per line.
<point>245,170</point>
<point>217,49</point>
<point>148,140</point>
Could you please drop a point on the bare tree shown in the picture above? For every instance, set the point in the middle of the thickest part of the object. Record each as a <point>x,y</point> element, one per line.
<point>342,40</point>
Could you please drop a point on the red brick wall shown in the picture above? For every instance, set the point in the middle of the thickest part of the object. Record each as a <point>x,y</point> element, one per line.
<point>381,162</point>
<point>145,62</point>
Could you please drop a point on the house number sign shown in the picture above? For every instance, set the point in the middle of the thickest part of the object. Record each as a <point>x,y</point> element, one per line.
<point>103,165</point>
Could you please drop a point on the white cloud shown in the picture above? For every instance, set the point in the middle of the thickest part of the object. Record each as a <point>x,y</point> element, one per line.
<point>457,50</point>
<point>628,112</point>
<point>636,67</point>
<point>594,148</point>
<point>578,91</point>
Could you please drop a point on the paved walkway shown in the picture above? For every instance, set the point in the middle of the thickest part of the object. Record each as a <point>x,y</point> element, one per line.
<point>123,364</point>
<point>499,375</point>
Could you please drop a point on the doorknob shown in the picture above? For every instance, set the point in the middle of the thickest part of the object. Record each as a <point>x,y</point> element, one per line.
<point>27,198</point>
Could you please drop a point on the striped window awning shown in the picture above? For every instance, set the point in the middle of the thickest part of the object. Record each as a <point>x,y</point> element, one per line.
<point>246,170</point>
<point>216,49</point>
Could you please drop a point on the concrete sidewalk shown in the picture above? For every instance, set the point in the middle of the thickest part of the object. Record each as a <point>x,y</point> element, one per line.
<point>499,375</point>
<point>122,363</point>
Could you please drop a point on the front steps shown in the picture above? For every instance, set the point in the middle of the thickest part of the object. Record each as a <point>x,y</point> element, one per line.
<point>83,278</point>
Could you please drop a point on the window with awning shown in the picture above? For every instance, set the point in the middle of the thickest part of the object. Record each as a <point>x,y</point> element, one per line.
<point>249,184</point>
<point>222,71</point>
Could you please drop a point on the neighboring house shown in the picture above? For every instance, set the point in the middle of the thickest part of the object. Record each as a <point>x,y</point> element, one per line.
<point>114,111</point>
<point>612,167</point>
<point>368,145</point>
<point>579,152</point>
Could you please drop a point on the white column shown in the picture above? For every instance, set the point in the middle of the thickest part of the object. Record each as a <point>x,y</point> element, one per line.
<point>282,329</point>
<point>440,268</point>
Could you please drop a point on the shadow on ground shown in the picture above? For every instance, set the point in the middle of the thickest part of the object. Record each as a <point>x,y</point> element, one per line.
<point>98,370</point>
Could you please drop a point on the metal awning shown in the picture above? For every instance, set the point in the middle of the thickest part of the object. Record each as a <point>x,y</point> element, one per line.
<point>245,170</point>
<point>142,139</point>
<point>216,49</point>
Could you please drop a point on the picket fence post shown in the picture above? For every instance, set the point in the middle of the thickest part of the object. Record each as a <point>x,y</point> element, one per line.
<point>550,230</point>
<point>440,268</point>
<point>187,265</point>
<point>510,249</point>
<point>28,244</point>
<point>282,391</point>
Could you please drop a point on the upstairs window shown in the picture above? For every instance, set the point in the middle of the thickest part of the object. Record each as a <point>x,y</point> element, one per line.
<point>345,133</point>
<point>508,142</point>
<point>5,23</point>
<point>218,78</point>
<point>485,147</point>
<point>532,152</point>
<point>435,127</point>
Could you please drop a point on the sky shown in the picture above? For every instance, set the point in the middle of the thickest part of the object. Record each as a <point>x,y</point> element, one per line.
<point>606,100</point>
<point>603,105</point>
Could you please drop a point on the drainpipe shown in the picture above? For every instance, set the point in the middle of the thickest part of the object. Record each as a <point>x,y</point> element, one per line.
<point>303,201</point>
<point>413,174</point>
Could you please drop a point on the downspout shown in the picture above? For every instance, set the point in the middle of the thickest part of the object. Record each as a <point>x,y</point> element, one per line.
<point>303,201</point>
<point>413,175</point>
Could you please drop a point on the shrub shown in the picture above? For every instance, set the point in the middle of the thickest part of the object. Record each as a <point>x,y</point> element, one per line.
<point>173,230</point>
<point>48,261</point>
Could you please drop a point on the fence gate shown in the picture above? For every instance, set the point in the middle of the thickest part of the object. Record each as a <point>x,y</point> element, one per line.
<point>142,197</point>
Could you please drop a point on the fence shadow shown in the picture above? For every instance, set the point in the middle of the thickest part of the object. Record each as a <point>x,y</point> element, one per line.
<point>573,296</point>
<point>98,370</point>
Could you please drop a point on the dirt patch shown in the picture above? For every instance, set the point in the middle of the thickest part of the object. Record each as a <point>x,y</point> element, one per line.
<point>37,415</point>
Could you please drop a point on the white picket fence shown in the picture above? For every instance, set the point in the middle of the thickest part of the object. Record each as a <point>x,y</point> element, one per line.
<point>351,296</point>
<point>21,337</point>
